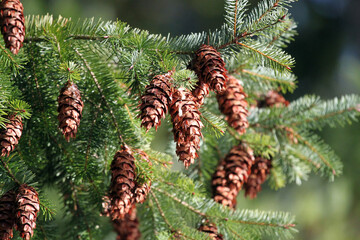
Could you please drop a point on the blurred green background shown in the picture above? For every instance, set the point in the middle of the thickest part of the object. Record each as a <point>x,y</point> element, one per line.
<point>327,52</point>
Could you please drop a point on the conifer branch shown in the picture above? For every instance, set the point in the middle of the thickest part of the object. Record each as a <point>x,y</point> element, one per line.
<point>267,78</point>
<point>312,148</point>
<point>181,202</point>
<point>235,233</point>
<point>322,117</point>
<point>263,54</point>
<point>122,142</point>
<point>90,137</point>
<point>9,172</point>
<point>267,11</point>
<point>172,229</point>
<point>9,56</point>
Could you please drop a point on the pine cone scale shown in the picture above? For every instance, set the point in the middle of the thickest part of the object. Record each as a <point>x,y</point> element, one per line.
<point>12,24</point>
<point>70,110</point>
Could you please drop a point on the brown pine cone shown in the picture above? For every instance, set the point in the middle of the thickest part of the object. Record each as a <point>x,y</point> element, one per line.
<point>221,190</point>
<point>7,218</point>
<point>259,172</point>
<point>122,183</point>
<point>187,126</point>
<point>128,228</point>
<point>232,103</point>
<point>272,98</point>
<point>155,101</point>
<point>231,174</point>
<point>212,230</point>
<point>142,191</point>
<point>28,206</point>
<point>70,110</point>
<point>211,72</point>
<point>12,23</point>
<point>10,136</point>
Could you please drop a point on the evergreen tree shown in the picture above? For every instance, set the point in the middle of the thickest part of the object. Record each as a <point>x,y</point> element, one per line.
<point>115,67</point>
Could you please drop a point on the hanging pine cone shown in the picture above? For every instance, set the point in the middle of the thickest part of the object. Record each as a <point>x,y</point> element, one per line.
<point>128,228</point>
<point>231,174</point>
<point>7,218</point>
<point>10,136</point>
<point>272,98</point>
<point>212,230</point>
<point>187,126</point>
<point>28,206</point>
<point>122,183</point>
<point>142,191</point>
<point>211,72</point>
<point>259,172</point>
<point>70,110</point>
<point>155,101</point>
<point>232,103</point>
<point>221,189</point>
<point>12,23</point>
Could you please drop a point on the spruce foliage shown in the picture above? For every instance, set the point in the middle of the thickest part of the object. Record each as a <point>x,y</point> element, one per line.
<point>111,63</point>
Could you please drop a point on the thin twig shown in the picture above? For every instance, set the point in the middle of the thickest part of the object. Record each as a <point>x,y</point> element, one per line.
<point>9,172</point>
<point>102,95</point>
<point>235,16</point>
<point>263,54</point>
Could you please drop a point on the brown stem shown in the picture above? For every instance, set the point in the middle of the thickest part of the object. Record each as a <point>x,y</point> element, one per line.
<point>9,172</point>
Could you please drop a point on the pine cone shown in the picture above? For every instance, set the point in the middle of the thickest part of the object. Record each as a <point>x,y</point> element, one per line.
<point>7,218</point>
<point>187,126</point>
<point>155,101</point>
<point>212,230</point>
<point>259,172</point>
<point>12,23</point>
<point>10,136</point>
<point>128,228</point>
<point>122,183</point>
<point>232,103</point>
<point>70,110</point>
<point>211,72</point>
<point>231,174</point>
<point>272,98</point>
<point>28,206</point>
<point>142,191</point>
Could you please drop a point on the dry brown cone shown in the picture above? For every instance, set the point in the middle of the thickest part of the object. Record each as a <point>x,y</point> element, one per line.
<point>70,110</point>
<point>12,23</point>
<point>231,174</point>
<point>259,172</point>
<point>128,227</point>
<point>211,72</point>
<point>233,105</point>
<point>212,230</point>
<point>187,126</point>
<point>27,208</point>
<point>142,191</point>
<point>10,136</point>
<point>155,101</point>
<point>122,183</point>
<point>272,98</point>
<point>7,217</point>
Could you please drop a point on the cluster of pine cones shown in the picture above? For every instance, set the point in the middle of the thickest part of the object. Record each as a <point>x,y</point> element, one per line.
<point>19,209</point>
<point>125,191</point>
<point>161,97</point>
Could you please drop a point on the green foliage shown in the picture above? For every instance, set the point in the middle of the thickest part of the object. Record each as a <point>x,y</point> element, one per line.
<point>112,63</point>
